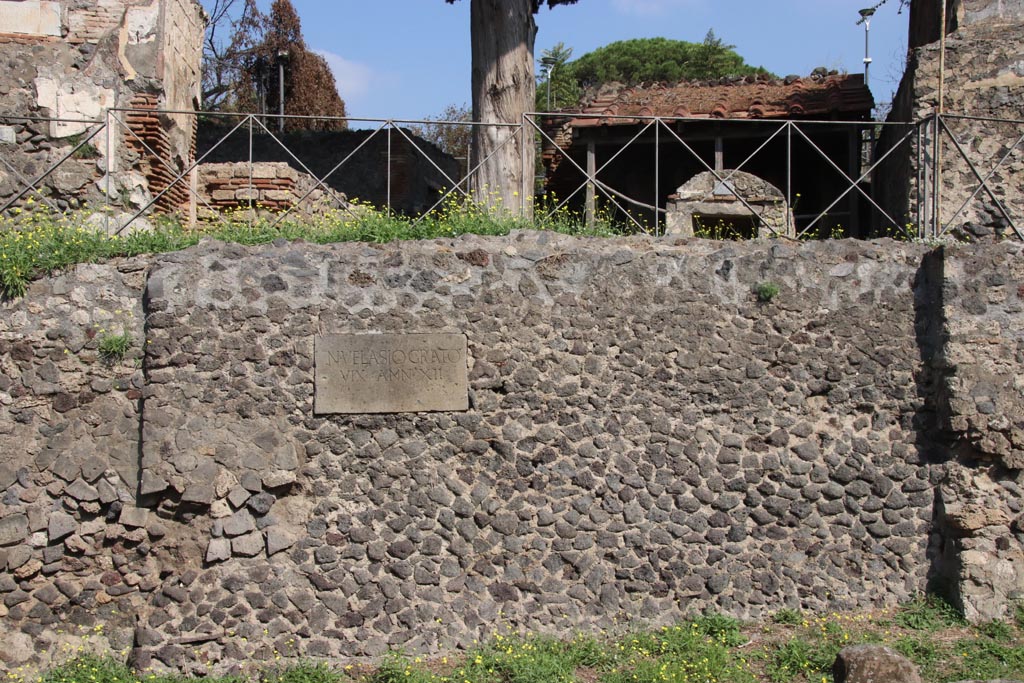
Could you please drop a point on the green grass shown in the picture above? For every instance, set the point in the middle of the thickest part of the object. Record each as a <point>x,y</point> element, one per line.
<point>90,668</point>
<point>791,646</point>
<point>704,649</point>
<point>801,658</point>
<point>930,613</point>
<point>303,672</point>
<point>38,241</point>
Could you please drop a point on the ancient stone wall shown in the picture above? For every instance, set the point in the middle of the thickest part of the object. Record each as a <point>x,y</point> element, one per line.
<point>983,81</point>
<point>95,57</point>
<point>183,27</point>
<point>646,438</point>
<point>982,395</point>
<point>926,17</point>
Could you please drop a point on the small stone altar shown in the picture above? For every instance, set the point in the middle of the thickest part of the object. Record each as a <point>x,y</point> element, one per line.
<point>733,197</point>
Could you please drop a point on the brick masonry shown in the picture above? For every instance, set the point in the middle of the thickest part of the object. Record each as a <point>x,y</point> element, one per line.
<point>267,186</point>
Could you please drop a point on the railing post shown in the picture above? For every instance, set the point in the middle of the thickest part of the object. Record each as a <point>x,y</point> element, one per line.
<point>110,170</point>
<point>390,125</point>
<point>920,188</point>
<point>251,217</point>
<point>657,173</point>
<point>591,206</point>
<point>936,166</point>
<point>790,211</point>
<point>527,174</point>
<point>193,180</point>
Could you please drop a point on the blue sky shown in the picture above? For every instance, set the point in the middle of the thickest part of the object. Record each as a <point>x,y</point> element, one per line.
<point>406,59</point>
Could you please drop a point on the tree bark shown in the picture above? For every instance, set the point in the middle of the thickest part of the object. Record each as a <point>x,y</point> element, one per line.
<point>503,34</point>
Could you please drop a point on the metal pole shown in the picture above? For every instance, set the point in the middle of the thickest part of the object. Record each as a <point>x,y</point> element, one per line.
<point>942,58</point>
<point>281,96</point>
<point>523,177</point>
<point>939,110</point>
<point>790,211</point>
<point>922,190</point>
<point>867,52</point>
<point>389,170</point>
<point>657,174</point>
<point>249,193</point>
<point>110,170</point>
<point>865,18</point>
<point>591,208</point>
<point>551,71</point>
<point>935,176</point>
<point>281,55</point>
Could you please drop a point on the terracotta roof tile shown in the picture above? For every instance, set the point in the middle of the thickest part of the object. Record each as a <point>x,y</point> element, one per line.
<point>843,97</point>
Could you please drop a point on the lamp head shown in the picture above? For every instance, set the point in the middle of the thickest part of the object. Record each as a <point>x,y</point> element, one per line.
<point>866,14</point>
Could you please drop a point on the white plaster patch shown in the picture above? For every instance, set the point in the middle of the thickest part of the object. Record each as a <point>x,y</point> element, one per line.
<point>30,17</point>
<point>140,24</point>
<point>8,135</point>
<point>74,99</point>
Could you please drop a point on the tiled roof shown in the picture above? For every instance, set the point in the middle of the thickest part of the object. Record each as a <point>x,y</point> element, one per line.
<point>843,97</point>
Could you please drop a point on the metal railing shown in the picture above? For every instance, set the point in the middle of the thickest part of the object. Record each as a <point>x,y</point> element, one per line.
<point>985,187</point>
<point>913,180</point>
<point>668,147</point>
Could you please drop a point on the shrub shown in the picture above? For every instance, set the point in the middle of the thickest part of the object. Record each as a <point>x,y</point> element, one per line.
<point>766,291</point>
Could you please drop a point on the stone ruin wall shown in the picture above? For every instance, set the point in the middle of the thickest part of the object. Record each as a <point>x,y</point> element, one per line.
<point>644,440</point>
<point>980,390</point>
<point>984,78</point>
<point>377,167</point>
<point>269,187</point>
<point>74,60</point>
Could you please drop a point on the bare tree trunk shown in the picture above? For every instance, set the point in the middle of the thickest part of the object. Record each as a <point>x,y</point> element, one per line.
<point>503,33</point>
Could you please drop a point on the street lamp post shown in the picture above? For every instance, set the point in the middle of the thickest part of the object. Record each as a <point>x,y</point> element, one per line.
<point>551,74</point>
<point>282,56</point>
<point>865,18</point>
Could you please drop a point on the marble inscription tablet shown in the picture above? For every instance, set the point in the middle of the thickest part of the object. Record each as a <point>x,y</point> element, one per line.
<point>390,373</point>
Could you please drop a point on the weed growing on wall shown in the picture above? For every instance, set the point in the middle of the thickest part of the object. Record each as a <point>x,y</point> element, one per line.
<point>766,291</point>
<point>113,347</point>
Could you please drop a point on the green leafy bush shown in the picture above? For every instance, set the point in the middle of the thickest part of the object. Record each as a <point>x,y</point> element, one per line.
<point>788,617</point>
